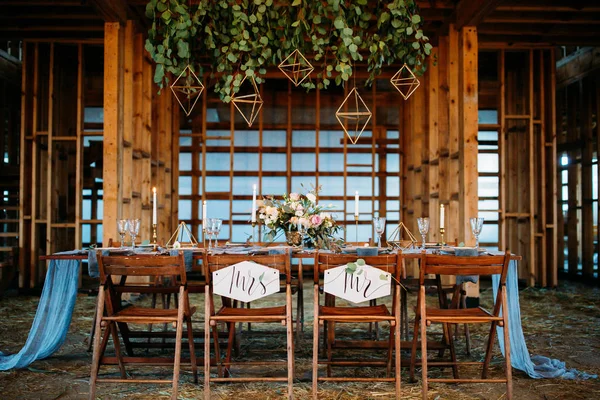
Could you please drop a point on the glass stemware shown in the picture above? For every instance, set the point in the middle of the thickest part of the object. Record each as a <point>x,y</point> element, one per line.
<point>134,230</point>
<point>123,227</point>
<point>379,225</point>
<point>423,229</point>
<point>209,231</point>
<point>476,226</point>
<point>216,229</point>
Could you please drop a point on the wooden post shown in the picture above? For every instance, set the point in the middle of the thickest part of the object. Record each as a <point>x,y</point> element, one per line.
<point>113,128</point>
<point>452,195</point>
<point>433,192</point>
<point>128,121</point>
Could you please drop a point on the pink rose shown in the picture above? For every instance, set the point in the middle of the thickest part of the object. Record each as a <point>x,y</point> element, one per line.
<point>294,196</point>
<point>316,220</point>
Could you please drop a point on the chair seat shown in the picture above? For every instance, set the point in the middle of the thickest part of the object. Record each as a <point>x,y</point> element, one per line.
<point>355,314</point>
<point>144,315</point>
<point>460,316</point>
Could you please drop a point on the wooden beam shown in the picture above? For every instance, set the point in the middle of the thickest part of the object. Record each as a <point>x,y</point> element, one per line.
<point>113,128</point>
<point>581,64</point>
<point>111,10</point>
<point>473,12</point>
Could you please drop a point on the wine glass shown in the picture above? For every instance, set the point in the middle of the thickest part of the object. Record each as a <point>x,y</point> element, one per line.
<point>209,231</point>
<point>423,229</point>
<point>476,226</point>
<point>134,230</point>
<point>216,229</point>
<point>123,227</point>
<point>379,225</point>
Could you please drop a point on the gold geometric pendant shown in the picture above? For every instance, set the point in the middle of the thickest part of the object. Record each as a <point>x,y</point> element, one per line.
<point>397,240</point>
<point>405,81</point>
<point>187,89</point>
<point>356,119</point>
<point>248,105</point>
<point>296,67</point>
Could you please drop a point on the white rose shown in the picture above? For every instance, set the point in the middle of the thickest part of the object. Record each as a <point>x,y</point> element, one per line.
<point>176,245</point>
<point>294,196</point>
<point>311,197</point>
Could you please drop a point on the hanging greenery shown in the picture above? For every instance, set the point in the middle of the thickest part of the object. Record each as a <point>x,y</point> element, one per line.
<point>237,38</point>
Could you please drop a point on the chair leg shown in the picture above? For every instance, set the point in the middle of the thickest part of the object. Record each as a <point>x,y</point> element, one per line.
<point>190,333</point>
<point>177,361</point>
<point>413,351</point>
<point>453,355</point>
<point>96,354</point>
<point>315,360</point>
<point>207,330</point>
<point>217,345</point>
<point>509,388</point>
<point>397,344</point>
<point>488,350</point>
<point>230,341</point>
<point>118,353</point>
<point>404,314</point>
<point>290,343</point>
<point>93,329</point>
<point>463,298</point>
<point>330,340</point>
<point>424,382</point>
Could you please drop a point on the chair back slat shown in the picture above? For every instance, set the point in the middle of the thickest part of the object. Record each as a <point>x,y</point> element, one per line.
<point>142,265</point>
<point>453,265</point>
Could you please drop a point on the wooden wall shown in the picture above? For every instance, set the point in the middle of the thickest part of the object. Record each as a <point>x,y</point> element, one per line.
<point>125,154</point>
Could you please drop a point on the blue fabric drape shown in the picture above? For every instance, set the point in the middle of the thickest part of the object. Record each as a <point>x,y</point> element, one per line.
<point>53,317</point>
<point>536,366</point>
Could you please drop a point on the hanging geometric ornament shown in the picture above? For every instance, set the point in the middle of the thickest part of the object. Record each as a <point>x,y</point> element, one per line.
<point>405,81</point>
<point>187,89</point>
<point>357,117</point>
<point>248,105</point>
<point>296,67</point>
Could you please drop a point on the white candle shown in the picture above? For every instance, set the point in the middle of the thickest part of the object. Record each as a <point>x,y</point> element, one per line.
<point>254,203</point>
<point>154,206</point>
<point>441,216</point>
<point>204,213</point>
<point>356,204</point>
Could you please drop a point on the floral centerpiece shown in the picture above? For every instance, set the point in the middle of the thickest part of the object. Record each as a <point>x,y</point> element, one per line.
<point>295,211</point>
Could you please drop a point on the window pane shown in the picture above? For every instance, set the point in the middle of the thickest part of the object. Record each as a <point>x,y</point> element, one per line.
<point>488,186</point>
<point>304,161</point>
<point>245,162</point>
<point>273,185</point>
<point>274,162</point>
<point>246,139</point>
<point>185,161</point>
<point>185,209</point>
<point>185,185</point>
<point>242,185</point>
<point>217,161</point>
<point>274,138</point>
<point>330,138</point>
<point>487,162</point>
<point>304,139</point>
<point>488,117</point>
<point>331,162</point>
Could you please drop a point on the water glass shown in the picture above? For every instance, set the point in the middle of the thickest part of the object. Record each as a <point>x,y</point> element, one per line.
<point>209,231</point>
<point>476,226</point>
<point>134,230</point>
<point>303,231</point>
<point>123,227</point>
<point>379,225</point>
<point>423,223</point>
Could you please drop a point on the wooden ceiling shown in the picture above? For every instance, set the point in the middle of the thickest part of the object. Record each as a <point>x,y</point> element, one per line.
<point>499,22</point>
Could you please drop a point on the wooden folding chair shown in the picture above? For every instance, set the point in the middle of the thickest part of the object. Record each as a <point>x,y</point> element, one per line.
<point>113,318</point>
<point>329,314</point>
<point>455,266</point>
<point>220,267</point>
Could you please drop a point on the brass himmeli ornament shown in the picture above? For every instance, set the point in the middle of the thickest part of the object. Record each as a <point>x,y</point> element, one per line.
<point>296,67</point>
<point>397,241</point>
<point>180,236</point>
<point>405,81</point>
<point>248,105</point>
<point>356,118</point>
<point>187,89</point>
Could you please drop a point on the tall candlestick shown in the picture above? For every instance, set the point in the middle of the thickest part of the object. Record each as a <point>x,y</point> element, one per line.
<point>356,204</point>
<point>254,203</point>
<point>441,216</point>
<point>204,212</point>
<point>154,202</point>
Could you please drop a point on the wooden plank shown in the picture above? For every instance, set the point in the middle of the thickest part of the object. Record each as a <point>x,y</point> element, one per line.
<point>581,64</point>
<point>531,180</point>
<point>128,118</point>
<point>573,176</point>
<point>587,152</point>
<point>502,155</point>
<point>432,79</point>
<point>553,249</point>
<point>541,148</point>
<point>138,125</point>
<point>24,170</point>
<point>50,152</point>
<point>79,152</point>
<point>454,124</point>
<point>473,12</point>
<point>113,132</point>
<point>34,167</point>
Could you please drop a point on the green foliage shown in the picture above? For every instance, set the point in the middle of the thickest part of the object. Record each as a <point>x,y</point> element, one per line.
<point>234,38</point>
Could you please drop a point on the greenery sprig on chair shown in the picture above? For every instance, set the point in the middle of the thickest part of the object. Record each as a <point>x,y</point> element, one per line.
<point>237,38</point>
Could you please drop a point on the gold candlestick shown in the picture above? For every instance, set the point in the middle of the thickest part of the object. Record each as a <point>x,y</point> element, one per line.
<point>356,220</point>
<point>253,233</point>
<point>442,231</point>
<point>154,236</point>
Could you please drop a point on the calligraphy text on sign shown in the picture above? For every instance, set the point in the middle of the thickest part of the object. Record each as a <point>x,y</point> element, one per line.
<point>246,281</point>
<point>363,284</point>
